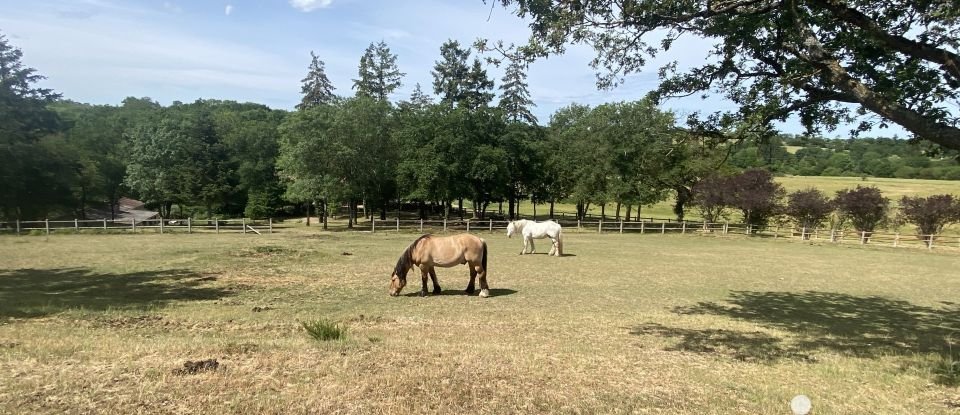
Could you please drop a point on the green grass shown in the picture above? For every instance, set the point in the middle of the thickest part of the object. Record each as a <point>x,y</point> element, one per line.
<point>623,324</point>
<point>325,330</point>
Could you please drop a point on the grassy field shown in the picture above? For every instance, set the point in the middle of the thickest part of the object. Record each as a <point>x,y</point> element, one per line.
<point>623,324</point>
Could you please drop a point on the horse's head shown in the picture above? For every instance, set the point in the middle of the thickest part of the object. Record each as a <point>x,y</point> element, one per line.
<point>511,228</point>
<point>396,284</point>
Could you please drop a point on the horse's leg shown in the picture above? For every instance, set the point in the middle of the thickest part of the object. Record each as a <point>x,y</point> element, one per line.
<point>524,246</point>
<point>423,277</point>
<point>436,285</point>
<point>533,248</point>
<point>553,247</point>
<point>484,288</point>
<point>473,276</point>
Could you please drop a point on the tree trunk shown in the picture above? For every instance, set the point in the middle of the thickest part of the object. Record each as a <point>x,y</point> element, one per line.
<point>603,211</point>
<point>511,207</point>
<point>383,212</point>
<point>618,211</point>
<point>325,213</point>
<point>534,210</point>
<point>551,209</point>
<point>308,213</point>
<point>422,207</point>
<point>460,207</point>
<point>629,209</point>
<point>350,214</point>
<point>683,196</point>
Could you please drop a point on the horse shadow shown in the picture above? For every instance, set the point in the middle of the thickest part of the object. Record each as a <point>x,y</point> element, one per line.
<point>870,327</point>
<point>494,292</point>
<point>29,293</point>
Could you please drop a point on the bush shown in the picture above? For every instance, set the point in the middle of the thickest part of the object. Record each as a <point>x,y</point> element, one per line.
<point>710,196</point>
<point>756,195</point>
<point>325,330</point>
<point>864,207</point>
<point>930,214</point>
<point>808,208</point>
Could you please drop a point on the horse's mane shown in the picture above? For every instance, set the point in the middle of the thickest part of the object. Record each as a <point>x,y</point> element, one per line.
<point>406,258</point>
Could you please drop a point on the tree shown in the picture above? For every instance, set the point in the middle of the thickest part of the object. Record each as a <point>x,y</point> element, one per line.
<point>808,208</point>
<point>378,73</point>
<point>897,59</point>
<point>450,73</point>
<point>515,99</point>
<point>477,87</point>
<point>865,207</point>
<point>756,195</point>
<point>710,196</point>
<point>317,88</point>
<point>35,174</point>
<point>930,214</point>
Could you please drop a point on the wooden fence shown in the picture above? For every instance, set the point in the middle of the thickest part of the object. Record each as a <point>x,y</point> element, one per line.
<point>644,226</point>
<point>138,226</point>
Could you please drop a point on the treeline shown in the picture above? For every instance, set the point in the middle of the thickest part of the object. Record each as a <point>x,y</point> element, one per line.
<point>876,157</point>
<point>452,153</point>
<point>758,200</point>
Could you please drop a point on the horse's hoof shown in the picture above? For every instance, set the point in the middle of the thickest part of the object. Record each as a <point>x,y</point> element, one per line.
<point>423,293</point>
<point>469,291</point>
<point>437,292</point>
<point>484,293</point>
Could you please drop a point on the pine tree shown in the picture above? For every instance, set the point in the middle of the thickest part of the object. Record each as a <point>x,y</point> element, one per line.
<point>378,72</point>
<point>478,87</point>
<point>418,99</point>
<point>450,73</point>
<point>515,100</point>
<point>317,88</point>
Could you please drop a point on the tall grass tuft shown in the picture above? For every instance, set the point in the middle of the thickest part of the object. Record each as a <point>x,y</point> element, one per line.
<point>325,330</point>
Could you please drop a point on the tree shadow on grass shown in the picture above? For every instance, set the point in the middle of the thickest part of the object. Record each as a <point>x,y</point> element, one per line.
<point>26,293</point>
<point>864,327</point>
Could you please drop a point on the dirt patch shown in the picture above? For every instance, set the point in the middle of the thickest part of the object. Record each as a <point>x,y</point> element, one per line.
<point>129,322</point>
<point>258,309</point>
<point>345,253</point>
<point>240,348</point>
<point>370,320</point>
<point>8,345</point>
<point>191,368</point>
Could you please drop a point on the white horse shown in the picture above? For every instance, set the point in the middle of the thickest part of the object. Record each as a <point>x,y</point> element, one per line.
<point>537,230</point>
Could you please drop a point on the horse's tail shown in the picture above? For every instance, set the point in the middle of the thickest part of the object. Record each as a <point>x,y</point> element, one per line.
<point>559,241</point>
<point>483,260</point>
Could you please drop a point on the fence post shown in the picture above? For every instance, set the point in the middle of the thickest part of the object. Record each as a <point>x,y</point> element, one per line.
<point>398,223</point>
<point>725,224</point>
<point>930,244</point>
<point>18,226</point>
<point>863,237</point>
<point>444,225</point>
<point>133,225</point>
<point>749,229</point>
<point>46,225</point>
<point>600,226</point>
<point>468,225</point>
<point>833,235</point>
<point>683,228</point>
<point>243,225</point>
<point>421,225</point>
<point>642,225</point>
<point>578,225</point>
<point>896,239</point>
<point>76,225</point>
<point>105,223</point>
<point>663,228</point>
<point>161,224</point>
<point>491,225</point>
<point>621,226</point>
<point>803,233</point>
<point>373,225</point>
<point>776,233</point>
<point>216,224</point>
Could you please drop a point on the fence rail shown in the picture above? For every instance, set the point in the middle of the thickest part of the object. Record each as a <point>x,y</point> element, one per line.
<point>139,226</point>
<point>643,226</point>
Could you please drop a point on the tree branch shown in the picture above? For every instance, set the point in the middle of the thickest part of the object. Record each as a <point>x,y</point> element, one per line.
<point>948,61</point>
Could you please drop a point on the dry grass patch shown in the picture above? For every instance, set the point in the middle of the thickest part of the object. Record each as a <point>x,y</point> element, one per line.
<point>625,324</point>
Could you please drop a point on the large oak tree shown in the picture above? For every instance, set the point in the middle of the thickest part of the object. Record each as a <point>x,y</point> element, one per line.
<point>897,59</point>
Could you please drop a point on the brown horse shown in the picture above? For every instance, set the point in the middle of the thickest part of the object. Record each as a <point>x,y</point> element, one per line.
<point>429,251</point>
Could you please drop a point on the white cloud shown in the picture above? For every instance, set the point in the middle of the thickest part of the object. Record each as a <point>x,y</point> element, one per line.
<point>172,7</point>
<point>310,5</point>
<point>228,9</point>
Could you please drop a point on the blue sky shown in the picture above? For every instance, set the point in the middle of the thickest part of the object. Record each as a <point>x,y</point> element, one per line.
<point>101,51</point>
